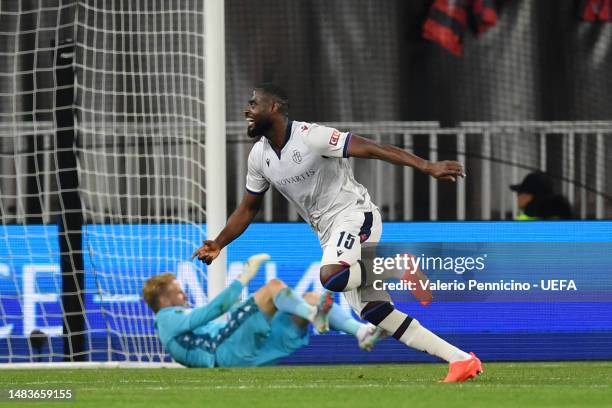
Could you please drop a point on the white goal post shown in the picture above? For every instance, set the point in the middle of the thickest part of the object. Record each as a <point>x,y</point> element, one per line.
<point>216,133</point>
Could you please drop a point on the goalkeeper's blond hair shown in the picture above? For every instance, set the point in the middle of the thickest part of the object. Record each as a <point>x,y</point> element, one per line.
<point>155,286</point>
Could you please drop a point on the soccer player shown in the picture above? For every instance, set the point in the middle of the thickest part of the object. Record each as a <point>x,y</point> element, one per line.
<point>306,162</point>
<point>269,325</point>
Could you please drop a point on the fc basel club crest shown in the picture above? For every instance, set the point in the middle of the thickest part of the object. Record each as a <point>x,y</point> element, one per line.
<point>297,156</point>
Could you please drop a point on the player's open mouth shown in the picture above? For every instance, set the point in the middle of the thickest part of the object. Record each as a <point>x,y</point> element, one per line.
<point>250,122</point>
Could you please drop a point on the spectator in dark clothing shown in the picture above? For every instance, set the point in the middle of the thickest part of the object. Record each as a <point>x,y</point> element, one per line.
<point>537,200</point>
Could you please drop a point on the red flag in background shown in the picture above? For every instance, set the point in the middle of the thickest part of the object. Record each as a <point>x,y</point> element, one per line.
<point>484,14</point>
<point>449,19</point>
<point>595,10</point>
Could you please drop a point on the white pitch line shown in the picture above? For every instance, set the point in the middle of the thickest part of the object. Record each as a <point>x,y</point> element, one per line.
<point>349,386</point>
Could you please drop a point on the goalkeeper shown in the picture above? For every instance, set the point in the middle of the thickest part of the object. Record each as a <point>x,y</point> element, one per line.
<point>269,325</point>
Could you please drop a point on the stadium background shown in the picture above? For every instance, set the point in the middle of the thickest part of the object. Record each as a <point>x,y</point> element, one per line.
<point>360,64</point>
<point>572,325</point>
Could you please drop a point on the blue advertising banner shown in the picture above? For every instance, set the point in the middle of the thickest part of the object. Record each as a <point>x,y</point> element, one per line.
<point>571,318</point>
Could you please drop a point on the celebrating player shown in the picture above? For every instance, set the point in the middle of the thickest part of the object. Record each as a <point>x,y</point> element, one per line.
<point>307,163</point>
<point>266,327</point>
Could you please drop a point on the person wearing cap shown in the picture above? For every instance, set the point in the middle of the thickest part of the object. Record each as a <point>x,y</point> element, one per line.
<point>537,200</point>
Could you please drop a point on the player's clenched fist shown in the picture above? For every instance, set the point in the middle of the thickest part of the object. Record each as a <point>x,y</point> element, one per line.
<point>207,252</point>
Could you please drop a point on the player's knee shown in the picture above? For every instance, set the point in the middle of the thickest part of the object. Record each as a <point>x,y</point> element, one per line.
<point>311,298</point>
<point>328,271</point>
<point>266,294</point>
<point>344,277</point>
<point>274,285</point>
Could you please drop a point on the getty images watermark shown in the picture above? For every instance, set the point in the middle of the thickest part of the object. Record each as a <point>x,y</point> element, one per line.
<point>489,272</point>
<point>406,266</point>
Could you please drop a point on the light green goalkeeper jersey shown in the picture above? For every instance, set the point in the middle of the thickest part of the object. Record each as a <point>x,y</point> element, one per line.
<point>190,335</point>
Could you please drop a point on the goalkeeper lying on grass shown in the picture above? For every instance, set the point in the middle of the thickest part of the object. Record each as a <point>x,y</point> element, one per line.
<point>269,325</point>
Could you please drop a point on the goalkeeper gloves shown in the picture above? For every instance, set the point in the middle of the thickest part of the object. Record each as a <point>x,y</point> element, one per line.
<point>251,267</point>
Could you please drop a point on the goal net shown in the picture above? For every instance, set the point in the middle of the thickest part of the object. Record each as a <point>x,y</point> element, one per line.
<point>139,155</point>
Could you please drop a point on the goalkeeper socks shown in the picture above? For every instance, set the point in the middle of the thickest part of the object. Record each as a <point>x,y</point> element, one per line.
<point>340,320</point>
<point>347,279</point>
<point>410,332</point>
<point>287,301</point>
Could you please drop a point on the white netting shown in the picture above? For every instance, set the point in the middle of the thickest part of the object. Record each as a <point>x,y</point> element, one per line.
<point>140,99</point>
<point>139,123</point>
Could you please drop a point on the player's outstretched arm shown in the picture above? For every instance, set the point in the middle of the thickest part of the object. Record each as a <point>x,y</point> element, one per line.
<point>364,148</point>
<point>181,323</point>
<point>236,224</point>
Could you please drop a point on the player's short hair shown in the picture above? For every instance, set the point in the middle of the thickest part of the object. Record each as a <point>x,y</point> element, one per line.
<point>277,93</point>
<point>155,286</point>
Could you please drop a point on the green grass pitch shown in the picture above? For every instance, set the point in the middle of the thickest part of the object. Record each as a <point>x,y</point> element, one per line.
<point>551,384</point>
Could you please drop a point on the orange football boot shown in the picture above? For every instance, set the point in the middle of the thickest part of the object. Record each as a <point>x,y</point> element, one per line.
<point>460,371</point>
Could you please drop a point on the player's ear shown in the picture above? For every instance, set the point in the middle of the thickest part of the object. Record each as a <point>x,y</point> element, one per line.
<point>276,107</point>
<point>161,300</point>
<point>273,107</point>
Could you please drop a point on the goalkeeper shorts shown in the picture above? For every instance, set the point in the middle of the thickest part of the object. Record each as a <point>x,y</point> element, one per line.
<point>260,341</point>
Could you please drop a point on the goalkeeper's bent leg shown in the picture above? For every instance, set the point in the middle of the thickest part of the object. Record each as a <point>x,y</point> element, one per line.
<point>276,296</point>
<point>287,301</point>
<point>339,319</point>
<point>342,321</point>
